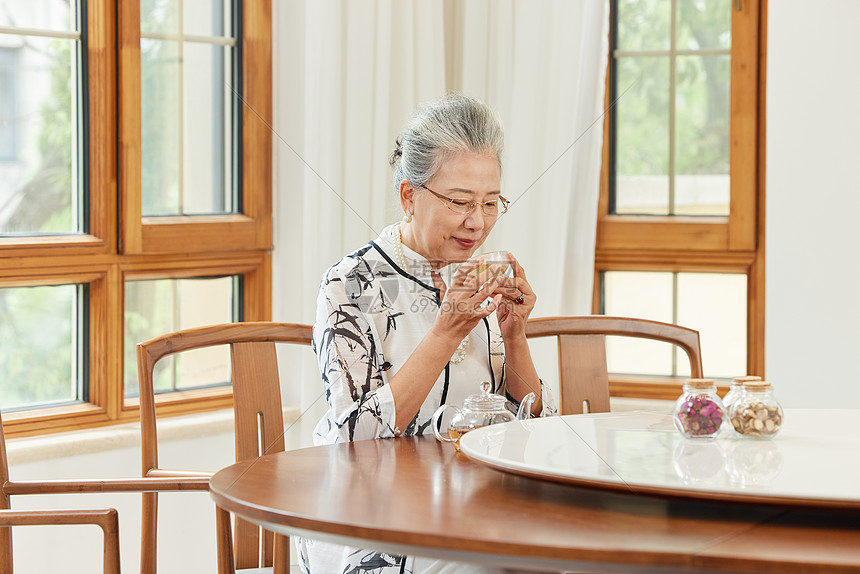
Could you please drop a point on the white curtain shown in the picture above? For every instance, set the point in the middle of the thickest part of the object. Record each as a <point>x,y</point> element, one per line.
<point>348,75</point>
<point>541,64</point>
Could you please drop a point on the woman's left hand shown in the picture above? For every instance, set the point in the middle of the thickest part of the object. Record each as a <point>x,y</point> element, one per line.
<point>518,300</point>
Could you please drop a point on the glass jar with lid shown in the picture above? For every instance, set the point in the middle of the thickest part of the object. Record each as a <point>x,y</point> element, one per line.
<point>736,388</point>
<point>699,411</point>
<point>735,391</point>
<point>756,413</point>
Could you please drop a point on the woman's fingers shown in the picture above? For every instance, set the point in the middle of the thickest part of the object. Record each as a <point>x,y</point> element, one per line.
<point>468,286</point>
<point>477,269</point>
<point>475,303</point>
<point>495,303</point>
<point>520,275</point>
<point>514,288</point>
<point>487,289</point>
<point>515,265</point>
<point>465,270</point>
<point>477,290</point>
<point>524,286</point>
<point>467,300</point>
<point>508,287</point>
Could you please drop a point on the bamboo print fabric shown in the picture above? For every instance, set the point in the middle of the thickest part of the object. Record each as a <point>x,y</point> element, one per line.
<point>371,315</point>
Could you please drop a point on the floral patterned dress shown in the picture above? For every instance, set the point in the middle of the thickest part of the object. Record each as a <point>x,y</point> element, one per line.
<point>371,315</point>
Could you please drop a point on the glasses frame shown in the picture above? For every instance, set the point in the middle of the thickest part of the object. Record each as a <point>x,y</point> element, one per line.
<point>472,205</point>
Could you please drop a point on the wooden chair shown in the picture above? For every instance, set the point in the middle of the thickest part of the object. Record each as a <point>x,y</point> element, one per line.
<point>105,518</point>
<point>259,428</point>
<point>583,376</point>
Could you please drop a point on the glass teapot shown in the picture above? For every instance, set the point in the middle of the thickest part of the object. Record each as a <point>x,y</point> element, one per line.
<point>481,409</point>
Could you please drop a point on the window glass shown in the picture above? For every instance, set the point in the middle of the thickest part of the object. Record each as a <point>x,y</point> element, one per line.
<point>42,345</point>
<point>54,15</point>
<point>645,295</point>
<point>644,24</point>
<point>8,105</point>
<point>642,136</point>
<point>198,17</point>
<point>188,100</point>
<point>156,307</point>
<point>207,125</point>
<point>704,25</point>
<point>206,17</point>
<point>672,116</point>
<point>702,135</point>
<point>159,16</point>
<point>160,140</point>
<point>41,134</point>
<point>714,304</point>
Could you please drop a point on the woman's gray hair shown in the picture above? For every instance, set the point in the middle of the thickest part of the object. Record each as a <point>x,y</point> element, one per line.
<point>451,125</point>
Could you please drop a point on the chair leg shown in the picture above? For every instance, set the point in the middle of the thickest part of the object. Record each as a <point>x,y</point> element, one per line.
<point>148,529</point>
<point>282,555</point>
<point>225,541</point>
<point>110,527</point>
<point>6,542</point>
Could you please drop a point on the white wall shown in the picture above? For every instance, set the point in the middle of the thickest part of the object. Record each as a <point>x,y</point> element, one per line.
<point>186,520</point>
<point>813,202</point>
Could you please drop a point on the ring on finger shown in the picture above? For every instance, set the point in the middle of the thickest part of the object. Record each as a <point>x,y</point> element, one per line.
<point>520,300</point>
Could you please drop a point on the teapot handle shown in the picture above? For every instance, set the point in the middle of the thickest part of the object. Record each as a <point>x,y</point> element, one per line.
<point>436,416</point>
<point>525,411</point>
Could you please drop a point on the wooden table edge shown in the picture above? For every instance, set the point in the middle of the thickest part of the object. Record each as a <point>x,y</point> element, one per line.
<point>433,545</point>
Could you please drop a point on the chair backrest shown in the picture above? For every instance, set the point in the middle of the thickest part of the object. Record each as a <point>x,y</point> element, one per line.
<point>259,423</point>
<point>583,374</point>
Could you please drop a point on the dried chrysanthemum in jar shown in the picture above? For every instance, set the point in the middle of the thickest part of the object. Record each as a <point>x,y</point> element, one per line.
<point>756,413</point>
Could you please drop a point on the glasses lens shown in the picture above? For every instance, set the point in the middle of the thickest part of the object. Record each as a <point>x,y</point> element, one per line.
<point>490,208</point>
<point>462,207</point>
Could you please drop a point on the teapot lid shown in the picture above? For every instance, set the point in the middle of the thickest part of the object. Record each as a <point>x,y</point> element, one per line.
<point>485,400</point>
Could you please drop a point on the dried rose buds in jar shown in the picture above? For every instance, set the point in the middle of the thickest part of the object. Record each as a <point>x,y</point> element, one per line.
<point>699,412</point>
<point>756,413</point>
<point>700,416</point>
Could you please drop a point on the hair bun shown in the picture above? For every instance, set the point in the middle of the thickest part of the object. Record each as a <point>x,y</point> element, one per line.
<point>397,153</point>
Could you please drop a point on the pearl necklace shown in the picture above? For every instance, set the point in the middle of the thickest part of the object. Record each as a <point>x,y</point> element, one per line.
<point>460,354</point>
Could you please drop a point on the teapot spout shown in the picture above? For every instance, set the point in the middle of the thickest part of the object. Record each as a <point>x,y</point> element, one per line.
<point>526,407</point>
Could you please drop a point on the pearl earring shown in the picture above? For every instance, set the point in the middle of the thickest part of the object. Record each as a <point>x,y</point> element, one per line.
<point>408,217</point>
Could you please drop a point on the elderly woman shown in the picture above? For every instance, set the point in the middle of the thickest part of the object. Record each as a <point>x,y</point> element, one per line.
<point>405,324</point>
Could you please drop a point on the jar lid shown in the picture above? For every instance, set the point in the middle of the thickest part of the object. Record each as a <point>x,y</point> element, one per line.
<point>757,385</point>
<point>700,383</point>
<point>746,379</point>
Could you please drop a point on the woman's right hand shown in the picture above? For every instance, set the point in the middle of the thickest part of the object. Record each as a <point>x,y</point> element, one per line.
<point>461,308</point>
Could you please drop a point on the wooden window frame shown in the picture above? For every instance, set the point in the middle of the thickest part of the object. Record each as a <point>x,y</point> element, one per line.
<point>727,244</point>
<point>101,66</point>
<point>250,229</point>
<point>257,279</point>
<point>120,244</point>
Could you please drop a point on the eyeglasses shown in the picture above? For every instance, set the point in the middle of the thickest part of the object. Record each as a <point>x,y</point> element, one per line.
<point>463,207</point>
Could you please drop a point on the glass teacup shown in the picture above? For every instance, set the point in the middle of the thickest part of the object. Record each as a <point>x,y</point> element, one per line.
<point>483,271</point>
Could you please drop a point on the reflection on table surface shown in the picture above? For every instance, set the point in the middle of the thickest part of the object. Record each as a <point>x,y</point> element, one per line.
<point>812,462</point>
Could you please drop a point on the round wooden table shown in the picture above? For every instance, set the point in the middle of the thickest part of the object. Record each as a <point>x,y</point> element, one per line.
<point>417,496</point>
